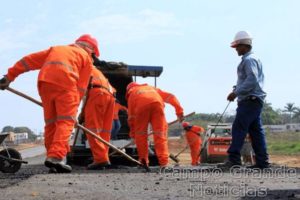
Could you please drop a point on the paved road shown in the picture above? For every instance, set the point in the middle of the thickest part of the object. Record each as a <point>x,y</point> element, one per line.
<point>32,152</point>
<point>32,181</point>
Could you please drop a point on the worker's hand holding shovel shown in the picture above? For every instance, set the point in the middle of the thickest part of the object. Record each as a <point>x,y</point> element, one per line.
<point>232,95</point>
<point>180,117</point>
<point>4,83</point>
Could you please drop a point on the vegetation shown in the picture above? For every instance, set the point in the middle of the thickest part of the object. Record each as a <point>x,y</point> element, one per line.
<point>284,143</point>
<point>290,114</point>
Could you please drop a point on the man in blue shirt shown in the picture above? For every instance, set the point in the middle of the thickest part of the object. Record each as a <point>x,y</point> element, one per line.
<point>250,97</point>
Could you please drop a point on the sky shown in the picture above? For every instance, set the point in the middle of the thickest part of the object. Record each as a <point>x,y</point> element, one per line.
<point>190,39</point>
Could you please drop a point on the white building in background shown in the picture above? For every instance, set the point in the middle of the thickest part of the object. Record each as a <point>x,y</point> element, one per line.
<point>16,138</point>
<point>282,128</point>
<point>21,136</point>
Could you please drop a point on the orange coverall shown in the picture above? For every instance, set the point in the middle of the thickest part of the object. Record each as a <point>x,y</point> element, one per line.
<point>146,105</point>
<point>98,115</point>
<point>117,108</point>
<point>62,81</point>
<point>194,140</point>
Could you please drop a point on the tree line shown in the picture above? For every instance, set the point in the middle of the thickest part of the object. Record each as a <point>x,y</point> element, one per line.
<point>270,116</point>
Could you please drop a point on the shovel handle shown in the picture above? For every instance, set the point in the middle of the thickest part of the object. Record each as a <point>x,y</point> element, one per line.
<point>25,96</point>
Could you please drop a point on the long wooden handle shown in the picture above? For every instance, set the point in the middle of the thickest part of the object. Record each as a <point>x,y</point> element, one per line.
<point>188,115</point>
<point>25,96</point>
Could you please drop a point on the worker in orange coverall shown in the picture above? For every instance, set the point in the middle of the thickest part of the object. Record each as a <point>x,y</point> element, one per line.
<point>194,140</point>
<point>62,81</point>
<point>146,105</point>
<point>98,117</point>
<point>116,122</point>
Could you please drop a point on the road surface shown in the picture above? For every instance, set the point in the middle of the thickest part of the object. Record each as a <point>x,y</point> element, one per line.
<point>32,181</point>
<point>32,152</point>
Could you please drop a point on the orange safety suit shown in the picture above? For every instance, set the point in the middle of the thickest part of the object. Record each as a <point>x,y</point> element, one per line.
<point>194,140</point>
<point>98,114</point>
<point>117,108</point>
<point>62,81</point>
<point>146,105</point>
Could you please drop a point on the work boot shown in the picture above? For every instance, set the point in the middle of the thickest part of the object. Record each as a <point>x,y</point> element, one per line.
<point>228,165</point>
<point>58,164</point>
<point>256,166</point>
<point>98,166</point>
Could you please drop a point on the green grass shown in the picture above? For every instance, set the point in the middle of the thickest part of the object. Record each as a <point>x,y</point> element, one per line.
<point>283,143</point>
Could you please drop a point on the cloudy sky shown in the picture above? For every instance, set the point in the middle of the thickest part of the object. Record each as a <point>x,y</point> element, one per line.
<point>190,39</point>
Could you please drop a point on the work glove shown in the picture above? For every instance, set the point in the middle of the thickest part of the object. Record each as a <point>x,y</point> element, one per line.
<point>4,83</point>
<point>231,96</point>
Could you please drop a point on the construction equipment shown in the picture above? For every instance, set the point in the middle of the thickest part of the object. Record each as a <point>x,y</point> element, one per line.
<point>217,141</point>
<point>10,159</point>
<point>119,76</point>
<point>86,130</point>
<point>206,139</point>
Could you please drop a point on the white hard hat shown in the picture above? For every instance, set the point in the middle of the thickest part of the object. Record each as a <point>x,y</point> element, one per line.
<point>242,37</point>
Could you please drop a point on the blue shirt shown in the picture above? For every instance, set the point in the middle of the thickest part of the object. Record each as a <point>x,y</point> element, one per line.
<point>250,78</point>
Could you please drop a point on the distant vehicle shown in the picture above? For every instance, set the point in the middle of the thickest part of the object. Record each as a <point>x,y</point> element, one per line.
<point>119,76</point>
<point>218,139</point>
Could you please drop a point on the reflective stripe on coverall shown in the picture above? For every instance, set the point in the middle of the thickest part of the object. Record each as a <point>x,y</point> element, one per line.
<point>63,78</point>
<point>99,116</point>
<point>194,140</point>
<point>146,105</point>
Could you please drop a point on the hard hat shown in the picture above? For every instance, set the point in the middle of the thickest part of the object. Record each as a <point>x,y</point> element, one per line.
<point>185,124</point>
<point>242,37</point>
<point>91,41</point>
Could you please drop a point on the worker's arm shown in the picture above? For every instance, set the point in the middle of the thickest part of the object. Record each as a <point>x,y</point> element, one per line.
<point>30,62</point>
<point>123,108</point>
<point>171,99</point>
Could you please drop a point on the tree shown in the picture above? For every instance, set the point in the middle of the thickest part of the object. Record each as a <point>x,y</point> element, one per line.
<point>297,114</point>
<point>290,108</point>
<point>7,129</point>
<point>269,116</point>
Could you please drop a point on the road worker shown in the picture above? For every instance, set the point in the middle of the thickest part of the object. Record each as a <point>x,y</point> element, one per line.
<point>62,81</point>
<point>116,121</point>
<point>193,137</point>
<point>146,105</point>
<point>98,117</point>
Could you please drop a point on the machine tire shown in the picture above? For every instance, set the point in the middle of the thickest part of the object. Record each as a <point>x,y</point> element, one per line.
<point>7,166</point>
<point>204,157</point>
